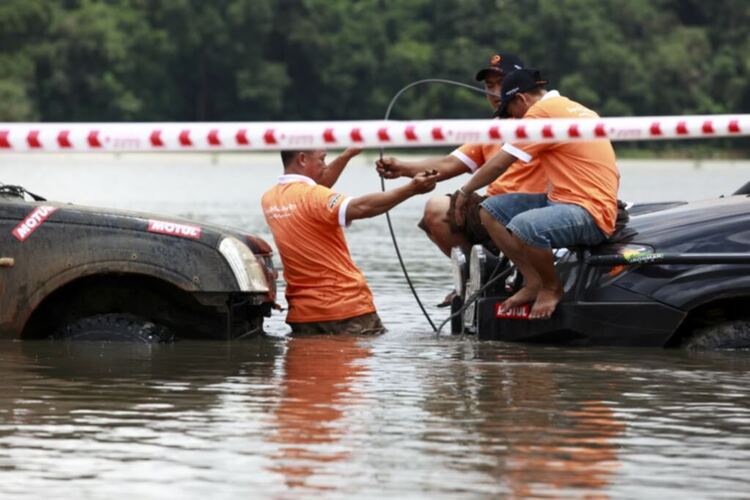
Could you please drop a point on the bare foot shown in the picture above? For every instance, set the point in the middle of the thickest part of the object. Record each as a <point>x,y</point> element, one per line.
<point>545,303</point>
<point>524,296</point>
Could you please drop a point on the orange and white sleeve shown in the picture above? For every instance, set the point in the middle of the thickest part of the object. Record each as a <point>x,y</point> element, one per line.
<point>529,150</point>
<point>470,155</point>
<point>329,206</point>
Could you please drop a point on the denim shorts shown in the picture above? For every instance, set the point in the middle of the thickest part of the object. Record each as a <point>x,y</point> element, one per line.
<point>542,223</point>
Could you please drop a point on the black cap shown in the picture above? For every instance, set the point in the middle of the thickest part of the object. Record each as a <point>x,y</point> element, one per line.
<point>500,63</point>
<point>521,80</point>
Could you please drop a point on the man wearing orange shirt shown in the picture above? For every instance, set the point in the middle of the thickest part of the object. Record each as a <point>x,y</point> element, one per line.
<point>325,291</point>
<point>579,209</point>
<point>520,178</point>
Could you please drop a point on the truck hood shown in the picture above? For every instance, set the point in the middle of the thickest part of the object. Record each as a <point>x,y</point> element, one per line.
<point>699,226</point>
<point>170,226</point>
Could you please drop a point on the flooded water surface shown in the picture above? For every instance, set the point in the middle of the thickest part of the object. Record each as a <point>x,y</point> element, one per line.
<point>407,414</point>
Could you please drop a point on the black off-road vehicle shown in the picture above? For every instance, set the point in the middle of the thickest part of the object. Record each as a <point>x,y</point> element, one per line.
<point>75,272</point>
<point>677,274</point>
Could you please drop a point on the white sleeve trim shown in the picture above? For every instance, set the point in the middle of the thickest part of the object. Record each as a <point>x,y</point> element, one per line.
<point>518,153</point>
<point>466,160</point>
<point>342,212</point>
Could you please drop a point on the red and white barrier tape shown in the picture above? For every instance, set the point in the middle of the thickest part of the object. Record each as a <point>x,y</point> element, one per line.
<point>254,136</point>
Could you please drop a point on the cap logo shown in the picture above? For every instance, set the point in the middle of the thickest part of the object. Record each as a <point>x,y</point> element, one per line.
<point>496,59</point>
<point>512,91</point>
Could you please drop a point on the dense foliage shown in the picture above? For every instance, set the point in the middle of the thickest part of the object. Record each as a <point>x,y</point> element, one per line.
<point>112,60</point>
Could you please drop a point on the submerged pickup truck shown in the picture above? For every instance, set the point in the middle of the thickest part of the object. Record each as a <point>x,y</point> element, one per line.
<point>81,273</point>
<point>676,275</point>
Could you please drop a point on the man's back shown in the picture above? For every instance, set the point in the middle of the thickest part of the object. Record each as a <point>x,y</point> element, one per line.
<point>583,173</point>
<point>306,220</point>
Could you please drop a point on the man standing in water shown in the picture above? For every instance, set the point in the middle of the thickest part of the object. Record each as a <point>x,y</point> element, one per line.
<point>520,178</point>
<point>326,292</point>
<point>579,209</point>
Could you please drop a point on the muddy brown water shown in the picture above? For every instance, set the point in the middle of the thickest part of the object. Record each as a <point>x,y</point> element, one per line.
<point>407,414</point>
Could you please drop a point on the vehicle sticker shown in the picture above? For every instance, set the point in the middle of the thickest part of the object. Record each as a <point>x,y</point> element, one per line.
<point>174,229</point>
<point>519,312</point>
<point>32,222</point>
<point>641,257</point>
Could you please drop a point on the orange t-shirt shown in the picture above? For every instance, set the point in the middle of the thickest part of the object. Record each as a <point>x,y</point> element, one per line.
<point>519,178</point>
<point>580,173</point>
<point>306,220</point>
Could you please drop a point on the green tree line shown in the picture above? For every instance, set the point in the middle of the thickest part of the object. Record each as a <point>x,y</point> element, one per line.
<point>123,60</point>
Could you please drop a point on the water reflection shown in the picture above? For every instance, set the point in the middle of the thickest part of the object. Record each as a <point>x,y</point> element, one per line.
<point>546,437</point>
<point>96,411</point>
<point>316,390</point>
<point>402,415</point>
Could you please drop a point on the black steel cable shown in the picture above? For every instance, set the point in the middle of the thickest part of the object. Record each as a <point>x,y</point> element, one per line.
<point>18,192</point>
<point>382,183</point>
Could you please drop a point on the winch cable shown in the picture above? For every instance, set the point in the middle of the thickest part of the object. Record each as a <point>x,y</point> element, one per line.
<point>19,192</point>
<point>382,182</point>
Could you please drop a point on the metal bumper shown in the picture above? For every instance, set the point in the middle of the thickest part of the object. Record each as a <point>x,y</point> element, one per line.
<point>635,324</point>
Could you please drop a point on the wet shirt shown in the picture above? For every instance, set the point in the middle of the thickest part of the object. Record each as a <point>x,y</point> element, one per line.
<point>581,173</point>
<point>519,178</point>
<point>307,220</point>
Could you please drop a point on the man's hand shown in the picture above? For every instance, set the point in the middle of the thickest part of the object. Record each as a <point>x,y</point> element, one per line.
<point>424,182</point>
<point>459,208</point>
<point>390,168</point>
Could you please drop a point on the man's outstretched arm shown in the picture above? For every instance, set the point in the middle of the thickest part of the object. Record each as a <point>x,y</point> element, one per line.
<point>374,204</point>
<point>446,167</point>
<point>491,170</point>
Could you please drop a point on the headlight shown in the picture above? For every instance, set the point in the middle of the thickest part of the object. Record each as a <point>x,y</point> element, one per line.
<point>477,261</point>
<point>244,265</point>
<point>458,270</point>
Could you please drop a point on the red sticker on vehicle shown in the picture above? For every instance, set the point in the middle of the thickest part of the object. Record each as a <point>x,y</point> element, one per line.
<point>518,312</point>
<point>32,222</point>
<point>174,229</point>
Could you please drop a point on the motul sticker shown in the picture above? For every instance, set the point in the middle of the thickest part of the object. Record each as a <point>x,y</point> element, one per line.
<point>174,229</point>
<point>519,312</point>
<point>32,222</point>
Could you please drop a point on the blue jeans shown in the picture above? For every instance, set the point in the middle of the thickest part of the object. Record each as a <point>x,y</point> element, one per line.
<point>542,223</point>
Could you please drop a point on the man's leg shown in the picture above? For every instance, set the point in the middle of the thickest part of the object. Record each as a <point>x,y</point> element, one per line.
<point>517,252</point>
<point>366,324</point>
<point>551,290</point>
<point>535,232</point>
<point>435,224</point>
<point>537,265</point>
<point>495,213</point>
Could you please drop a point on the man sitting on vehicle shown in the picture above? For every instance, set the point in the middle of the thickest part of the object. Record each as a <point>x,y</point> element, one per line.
<point>325,291</point>
<point>579,209</point>
<point>468,159</point>
<point>520,178</point>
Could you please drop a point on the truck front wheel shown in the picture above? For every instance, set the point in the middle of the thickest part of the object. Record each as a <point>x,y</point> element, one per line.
<point>727,335</point>
<point>114,327</point>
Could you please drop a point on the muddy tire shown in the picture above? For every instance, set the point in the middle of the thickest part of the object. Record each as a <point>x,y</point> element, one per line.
<point>728,335</point>
<point>114,328</point>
